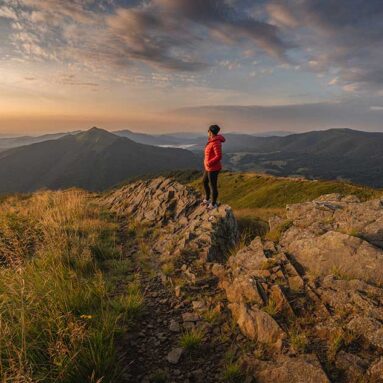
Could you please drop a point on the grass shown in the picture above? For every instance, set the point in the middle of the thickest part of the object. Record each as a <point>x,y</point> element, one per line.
<point>276,234</point>
<point>191,340</point>
<point>159,377</point>
<point>212,316</point>
<point>299,341</point>
<point>256,197</point>
<point>259,191</point>
<point>232,373</point>
<point>59,313</point>
<point>338,340</point>
<point>271,308</point>
<point>340,274</point>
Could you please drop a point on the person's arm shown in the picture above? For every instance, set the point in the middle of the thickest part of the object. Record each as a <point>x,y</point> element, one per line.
<point>217,154</point>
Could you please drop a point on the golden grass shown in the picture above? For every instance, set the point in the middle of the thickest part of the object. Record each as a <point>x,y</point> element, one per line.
<point>57,320</point>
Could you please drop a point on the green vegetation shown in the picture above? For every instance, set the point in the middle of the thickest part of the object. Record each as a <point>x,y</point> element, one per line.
<point>59,311</point>
<point>232,373</point>
<point>192,339</point>
<point>299,340</point>
<point>275,234</point>
<point>260,191</point>
<point>338,340</point>
<point>257,197</point>
<point>159,377</point>
<point>271,308</point>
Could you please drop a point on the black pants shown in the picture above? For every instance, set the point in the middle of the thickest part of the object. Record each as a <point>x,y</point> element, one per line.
<point>210,184</point>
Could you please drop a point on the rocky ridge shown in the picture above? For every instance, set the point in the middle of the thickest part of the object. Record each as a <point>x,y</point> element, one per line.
<point>176,212</point>
<point>308,303</point>
<point>315,293</point>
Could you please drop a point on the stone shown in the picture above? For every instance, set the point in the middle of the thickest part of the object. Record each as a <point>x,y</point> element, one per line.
<point>281,302</point>
<point>350,256</point>
<point>190,317</point>
<point>258,325</point>
<point>302,369</point>
<point>368,328</point>
<point>174,355</point>
<point>296,283</point>
<point>176,209</point>
<point>375,371</point>
<point>177,291</point>
<point>198,305</point>
<point>353,366</point>
<point>174,326</point>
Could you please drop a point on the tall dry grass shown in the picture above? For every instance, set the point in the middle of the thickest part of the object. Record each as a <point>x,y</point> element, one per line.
<point>57,320</point>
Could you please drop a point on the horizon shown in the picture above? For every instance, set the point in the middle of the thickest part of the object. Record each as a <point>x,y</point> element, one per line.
<point>167,66</point>
<point>275,133</point>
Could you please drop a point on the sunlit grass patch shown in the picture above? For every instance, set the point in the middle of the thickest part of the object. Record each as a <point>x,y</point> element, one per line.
<point>57,320</point>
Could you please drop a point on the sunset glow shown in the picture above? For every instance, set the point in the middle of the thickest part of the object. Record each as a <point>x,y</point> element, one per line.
<point>151,65</point>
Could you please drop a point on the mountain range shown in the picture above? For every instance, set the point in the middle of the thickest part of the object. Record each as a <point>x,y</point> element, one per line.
<point>97,159</point>
<point>332,154</point>
<point>94,160</point>
<point>14,142</point>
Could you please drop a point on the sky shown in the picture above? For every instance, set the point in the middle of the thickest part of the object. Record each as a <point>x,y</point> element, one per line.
<point>179,65</point>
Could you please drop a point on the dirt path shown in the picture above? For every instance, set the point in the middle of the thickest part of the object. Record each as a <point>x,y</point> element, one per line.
<point>153,350</point>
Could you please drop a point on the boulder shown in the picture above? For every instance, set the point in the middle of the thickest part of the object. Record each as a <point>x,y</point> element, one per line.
<point>258,325</point>
<point>302,369</point>
<point>375,371</point>
<point>352,366</point>
<point>341,253</point>
<point>336,213</point>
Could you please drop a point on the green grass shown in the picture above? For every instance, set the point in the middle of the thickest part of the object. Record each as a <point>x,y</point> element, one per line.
<point>232,373</point>
<point>251,191</point>
<point>299,340</point>
<point>191,340</point>
<point>59,313</point>
<point>271,308</point>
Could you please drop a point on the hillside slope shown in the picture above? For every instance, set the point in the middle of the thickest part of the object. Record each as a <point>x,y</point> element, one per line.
<point>14,142</point>
<point>261,195</point>
<point>93,160</point>
<point>143,283</point>
<point>331,154</point>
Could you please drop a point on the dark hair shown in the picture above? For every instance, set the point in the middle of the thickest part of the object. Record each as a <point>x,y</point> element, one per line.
<point>214,129</point>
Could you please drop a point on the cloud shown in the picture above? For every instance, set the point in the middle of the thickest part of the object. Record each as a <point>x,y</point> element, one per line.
<point>341,39</point>
<point>7,13</point>
<point>345,36</point>
<point>175,35</point>
<point>226,22</point>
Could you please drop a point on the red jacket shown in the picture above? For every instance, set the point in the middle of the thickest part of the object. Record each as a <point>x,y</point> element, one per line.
<point>213,153</point>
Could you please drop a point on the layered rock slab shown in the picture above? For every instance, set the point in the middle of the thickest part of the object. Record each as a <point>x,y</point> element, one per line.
<point>175,209</point>
<point>320,283</point>
<point>302,369</point>
<point>335,234</point>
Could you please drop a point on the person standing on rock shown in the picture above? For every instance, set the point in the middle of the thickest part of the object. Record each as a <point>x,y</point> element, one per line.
<point>212,164</point>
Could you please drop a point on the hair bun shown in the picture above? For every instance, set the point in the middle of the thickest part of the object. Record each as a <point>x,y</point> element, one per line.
<point>214,129</point>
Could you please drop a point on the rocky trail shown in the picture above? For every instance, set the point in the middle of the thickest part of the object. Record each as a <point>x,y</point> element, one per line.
<point>154,352</point>
<point>304,305</point>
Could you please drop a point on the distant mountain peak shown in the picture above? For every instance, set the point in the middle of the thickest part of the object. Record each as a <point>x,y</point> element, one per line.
<point>96,135</point>
<point>98,132</point>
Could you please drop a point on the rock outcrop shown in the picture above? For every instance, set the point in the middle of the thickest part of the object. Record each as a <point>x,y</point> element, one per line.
<point>337,234</point>
<point>312,298</point>
<point>302,369</point>
<point>175,209</point>
<point>317,290</point>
